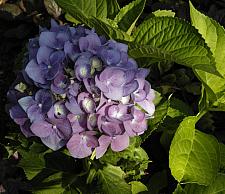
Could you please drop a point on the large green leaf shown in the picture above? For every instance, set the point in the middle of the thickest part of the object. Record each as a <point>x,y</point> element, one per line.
<point>128,15</point>
<point>168,38</point>
<point>217,186</point>
<point>111,180</point>
<point>214,35</point>
<point>194,156</point>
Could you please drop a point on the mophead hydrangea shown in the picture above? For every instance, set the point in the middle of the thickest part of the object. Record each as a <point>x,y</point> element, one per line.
<point>82,91</point>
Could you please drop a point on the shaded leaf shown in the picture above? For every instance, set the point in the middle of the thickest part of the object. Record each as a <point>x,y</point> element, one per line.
<point>112,8</point>
<point>111,180</point>
<point>157,182</point>
<point>128,15</point>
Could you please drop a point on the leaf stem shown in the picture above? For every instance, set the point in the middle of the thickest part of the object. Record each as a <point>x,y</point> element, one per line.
<point>201,114</point>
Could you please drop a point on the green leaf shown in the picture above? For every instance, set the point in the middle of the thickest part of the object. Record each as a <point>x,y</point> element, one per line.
<point>31,162</point>
<point>172,39</point>
<point>217,186</point>
<point>194,156</point>
<point>222,156</point>
<point>137,187</point>
<point>111,180</point>
<point>172,108</point>
<point>214,35</point>
<point>161,13</point>
<point>112,8</point>
<point>128,15</point>
<point>96,8</point>
<point>61,162</point>
<point>103,27</point>
<point>93,14</point>
<point>71,19</point>
<point>50,185</point>
<point>179,190</point>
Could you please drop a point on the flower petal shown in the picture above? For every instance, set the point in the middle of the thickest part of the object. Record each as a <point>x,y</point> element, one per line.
<point>77,146</point>
<point>104,142</point>
<point>34,72</point>
<point>120,142</point>
<point>41,128</point>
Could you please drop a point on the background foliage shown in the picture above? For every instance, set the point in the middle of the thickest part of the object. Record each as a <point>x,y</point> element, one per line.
<point>182,152</point>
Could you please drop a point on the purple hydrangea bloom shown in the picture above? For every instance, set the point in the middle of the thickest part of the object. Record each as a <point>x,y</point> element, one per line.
<point>80,90</point>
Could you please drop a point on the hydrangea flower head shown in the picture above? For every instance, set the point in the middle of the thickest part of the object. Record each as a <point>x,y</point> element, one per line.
<point>81,91</point>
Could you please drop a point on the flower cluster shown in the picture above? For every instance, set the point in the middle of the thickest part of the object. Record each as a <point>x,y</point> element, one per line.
<point>80,90</point>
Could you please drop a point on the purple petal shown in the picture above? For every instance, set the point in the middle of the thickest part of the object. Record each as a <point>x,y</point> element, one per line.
<point>101,85</point>
<point>142,73</point>
<point>18,114</point>
<point>64,128</point>
<point>148,106</point>
<point>112,128</point>
<point>78,122</point>
<point>120,142</point>
<point>74,89</point>
<point>48,39</point>
<point>44,99</point>
<point>56,57</point>
<point>53,141</point>
<point>138,115</point>
<point>89,43</point>
<point>34,72</point>
<point>115,93</point>
<point>134,128</point>
<point>26,102</point>
<point>71,50</point>
<point>34,113</point>
<point>43,55</point>
<point>139,95</point>
<point>130,88</point>
<point>104,142</point>
<point>41,128</point>
<point>25,129</point>
<point>91,121</point>
<point>73,107</point>
<point>78,146</point>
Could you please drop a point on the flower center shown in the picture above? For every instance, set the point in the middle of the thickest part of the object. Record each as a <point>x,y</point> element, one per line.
<point>54,127</point>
